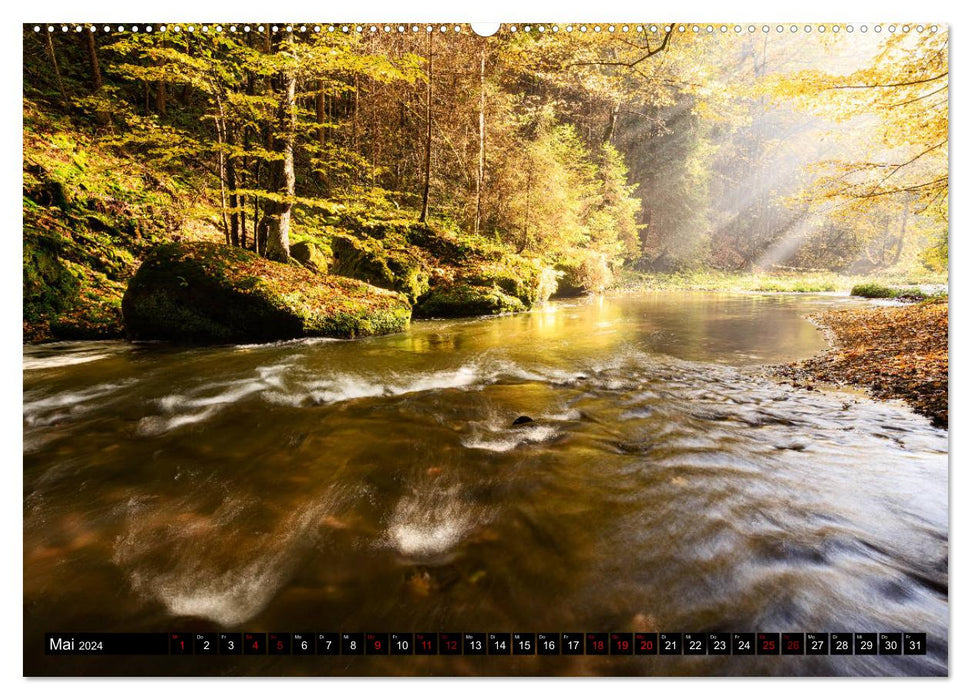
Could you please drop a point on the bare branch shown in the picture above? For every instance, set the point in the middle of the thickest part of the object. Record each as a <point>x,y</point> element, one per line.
<point>634,63</point>
<point>888,85</point>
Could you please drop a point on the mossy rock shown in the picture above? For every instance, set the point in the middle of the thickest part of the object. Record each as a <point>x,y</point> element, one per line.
<point>368,260</point>
<point>310,256</point>
<point>459,299</point>
<point>449,247</point>
<point>214,293</point>
<point>525,279</point>
<point>569,283</point>
<point>48,285</point>
<point>589,274</point>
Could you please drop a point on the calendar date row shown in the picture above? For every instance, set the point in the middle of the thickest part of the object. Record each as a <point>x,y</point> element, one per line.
<point>489,643</point>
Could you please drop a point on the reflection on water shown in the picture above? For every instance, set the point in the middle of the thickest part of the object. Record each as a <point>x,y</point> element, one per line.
<point>381,485</point>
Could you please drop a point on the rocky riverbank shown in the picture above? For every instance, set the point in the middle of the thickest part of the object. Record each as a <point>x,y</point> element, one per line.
<point>893,352</point>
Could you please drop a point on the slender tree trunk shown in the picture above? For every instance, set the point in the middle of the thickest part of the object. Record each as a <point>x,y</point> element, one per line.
<point>222,185</point>
<point>374,143</point>
<point>161,98</point>
<point>321,108</point>
<point>321,114</point>
<point>903,231</point>
<point>611,124</point>
<point>278,231</point>
<point>256,209</point>
<point>480,175</point>
<point>91,47</point>
<point>57,71</point>
<point>161,94</point>
<point>187,86</point>
<point>428,135</point>
<point>232,182</point>
<point>243,181</point>
<point>220,140</point>
<point>357,91</point>
<point>264,176</point>
<point>529,194</point>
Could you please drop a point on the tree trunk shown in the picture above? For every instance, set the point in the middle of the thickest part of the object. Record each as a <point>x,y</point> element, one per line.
<point>222,181</point>
<point>354,123</point>
<point>903,232</point>
<point>321,108</point>
<point>220,124</point>
<point>428,136</point>
<point>321,114</point>
<point>91,48</point>
<point>529,194</point>
<point>480,175</point>
<point>161,93</point>
<point>57,71</point>
<point>232,183</point>
<point>278,224</point>
<point>611,123</point>
<point>161,98</point>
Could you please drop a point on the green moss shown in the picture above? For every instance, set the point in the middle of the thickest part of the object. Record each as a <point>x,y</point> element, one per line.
<point>587,272</point>
<point>49,287</point>
<point>89,215</point>
<point>213,293</point>
<point>310,256</point>
<point>371,261</point>
<point>461,299</point>
<point>438,267</point>
<point>523,278</point>
<point>872,290</point>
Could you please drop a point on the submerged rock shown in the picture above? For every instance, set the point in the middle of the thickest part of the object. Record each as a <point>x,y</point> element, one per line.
<point>214,293</point>
<point>523,420</point>
<point>460,299</point>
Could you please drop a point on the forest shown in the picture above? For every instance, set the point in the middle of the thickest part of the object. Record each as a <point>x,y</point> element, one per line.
<point>621,327</point>
<point>426,171</point>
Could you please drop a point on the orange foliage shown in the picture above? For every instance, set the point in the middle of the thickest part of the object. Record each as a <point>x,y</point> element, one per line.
<point>894,352</point>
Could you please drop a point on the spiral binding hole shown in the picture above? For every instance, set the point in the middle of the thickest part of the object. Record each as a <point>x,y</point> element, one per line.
<point>513,28</point>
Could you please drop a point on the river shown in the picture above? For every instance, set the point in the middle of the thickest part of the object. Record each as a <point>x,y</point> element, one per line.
<point>380,485</point>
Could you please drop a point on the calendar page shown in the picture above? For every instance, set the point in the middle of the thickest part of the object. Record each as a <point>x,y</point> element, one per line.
<point>523,349</point>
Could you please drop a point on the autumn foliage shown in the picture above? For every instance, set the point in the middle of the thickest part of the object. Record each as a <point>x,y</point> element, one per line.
<point>897,352</point>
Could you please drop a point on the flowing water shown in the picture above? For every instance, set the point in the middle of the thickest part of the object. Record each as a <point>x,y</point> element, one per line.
<point>379,485</point>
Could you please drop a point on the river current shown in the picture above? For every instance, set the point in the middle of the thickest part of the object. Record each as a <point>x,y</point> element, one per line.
<point>665,484</point>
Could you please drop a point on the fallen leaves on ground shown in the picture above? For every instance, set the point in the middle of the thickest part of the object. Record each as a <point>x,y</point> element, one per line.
<point>897,352</point>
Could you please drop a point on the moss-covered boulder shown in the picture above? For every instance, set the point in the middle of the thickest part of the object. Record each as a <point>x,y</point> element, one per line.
<point>588,273</point>
<point>527,280</point>
<point>214,293</point>
<point>375,262</point>
<point>310,256</point>
<point>48,284</point>
<point>461,299</point>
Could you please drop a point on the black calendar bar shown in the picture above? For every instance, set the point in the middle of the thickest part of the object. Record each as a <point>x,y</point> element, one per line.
<point>485,643</point>
<point>106,643</point>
